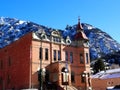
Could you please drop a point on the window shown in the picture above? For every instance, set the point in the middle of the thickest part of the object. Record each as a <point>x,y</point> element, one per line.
<point>72,77</point>
<point>54,55</point>
<point>1,64</point>
<point>46,54</point>
<point>71,57</point>
<point>83,78</point>
<point>8,79</point>
<point>87,58</point>
<point>40,53</point>
<point>9,61</point>
<point>59,55</point>
<point>81,59</point>
<point>1,80</point>
<point>66,56</point>
<point>56,39</point>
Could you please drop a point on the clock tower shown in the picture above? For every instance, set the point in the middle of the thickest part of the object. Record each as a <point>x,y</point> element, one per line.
<point>81,65</point>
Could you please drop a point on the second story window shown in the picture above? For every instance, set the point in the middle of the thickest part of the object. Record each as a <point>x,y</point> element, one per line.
<point>87,58</point>
<point>9,61</point>
<point>59,55</point>
<point>71,57</point>
<point>81,59</point>
<point>40,53</point>
<point>1,64</point>
<point>54,55</point>
<point>66,56</point>
<point>1,80</point>
<point>46,54</point>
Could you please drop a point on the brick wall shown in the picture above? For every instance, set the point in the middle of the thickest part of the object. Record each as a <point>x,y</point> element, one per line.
<point>102,84</point>
<point>16,61</point>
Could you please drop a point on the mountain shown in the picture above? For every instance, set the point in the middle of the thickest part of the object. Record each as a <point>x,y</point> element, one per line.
<point>12,29</point>
<point>101,44</point>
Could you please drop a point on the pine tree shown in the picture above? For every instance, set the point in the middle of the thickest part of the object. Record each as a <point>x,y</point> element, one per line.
<point>99,66</point>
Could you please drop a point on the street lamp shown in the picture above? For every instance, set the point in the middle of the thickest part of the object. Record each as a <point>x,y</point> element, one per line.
<point>68,42</point>
<point>84,76</point>
<point>41,71</point>
<point>66,76</point>
<point>41,77</point>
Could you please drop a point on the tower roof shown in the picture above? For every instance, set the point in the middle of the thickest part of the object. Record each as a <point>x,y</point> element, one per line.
<point>80,33</point>
<point>79,26</point>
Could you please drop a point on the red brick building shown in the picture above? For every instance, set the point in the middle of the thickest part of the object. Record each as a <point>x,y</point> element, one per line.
<point>106,79</point>
<point>64,62</point>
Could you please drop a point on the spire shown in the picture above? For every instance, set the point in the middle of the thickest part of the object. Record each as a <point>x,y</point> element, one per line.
<point>79,26</point>
<point>80,33</point>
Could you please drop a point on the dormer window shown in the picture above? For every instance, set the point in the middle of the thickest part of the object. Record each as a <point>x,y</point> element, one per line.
<point>56,37</point>
<point>68,41</point>
<point>43,36</point>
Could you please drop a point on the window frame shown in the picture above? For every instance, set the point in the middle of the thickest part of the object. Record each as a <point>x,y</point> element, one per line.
<point>66,55</point>
<point>46,54</point>
<point>40,53</point>
<point>81,58</point>
<point>59,55</point>
<point>55,55</point>
<point>87,58</point>
<point>71,57</point>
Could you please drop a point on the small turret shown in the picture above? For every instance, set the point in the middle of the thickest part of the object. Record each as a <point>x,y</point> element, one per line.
<point>80,37</point>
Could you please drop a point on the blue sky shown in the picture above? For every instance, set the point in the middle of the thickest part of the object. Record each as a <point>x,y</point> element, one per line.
<point>104,14</point>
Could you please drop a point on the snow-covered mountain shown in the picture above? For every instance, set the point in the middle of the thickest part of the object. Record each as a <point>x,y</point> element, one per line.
<point>12,29</point>
<point>101,43</point>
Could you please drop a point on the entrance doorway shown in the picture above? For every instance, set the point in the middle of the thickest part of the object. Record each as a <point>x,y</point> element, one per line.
<point>65,76</point>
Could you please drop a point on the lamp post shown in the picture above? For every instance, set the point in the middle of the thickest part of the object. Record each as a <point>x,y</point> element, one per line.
<point>68,42</point>
<point>41,71</point>
<point>66,71</point>
<point>84,75</point>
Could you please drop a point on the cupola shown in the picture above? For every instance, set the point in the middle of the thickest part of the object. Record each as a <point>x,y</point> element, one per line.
<point>80,32</point>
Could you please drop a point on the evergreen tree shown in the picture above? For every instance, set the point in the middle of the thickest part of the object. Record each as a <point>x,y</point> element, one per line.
<point>99,66</point>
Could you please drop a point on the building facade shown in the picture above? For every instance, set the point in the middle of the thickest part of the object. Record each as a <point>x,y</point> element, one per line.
<point>106,79</point>
<point>41,59</point>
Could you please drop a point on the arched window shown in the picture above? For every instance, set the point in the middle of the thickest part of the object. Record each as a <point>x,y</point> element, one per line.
<point>65,76</point>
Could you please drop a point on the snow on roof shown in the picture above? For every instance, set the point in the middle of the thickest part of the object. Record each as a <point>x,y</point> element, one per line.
<point>113,73</point>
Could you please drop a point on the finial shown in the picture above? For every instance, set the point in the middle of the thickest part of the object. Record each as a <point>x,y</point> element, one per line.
<point>79,26</point>
<point>78,18</point>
